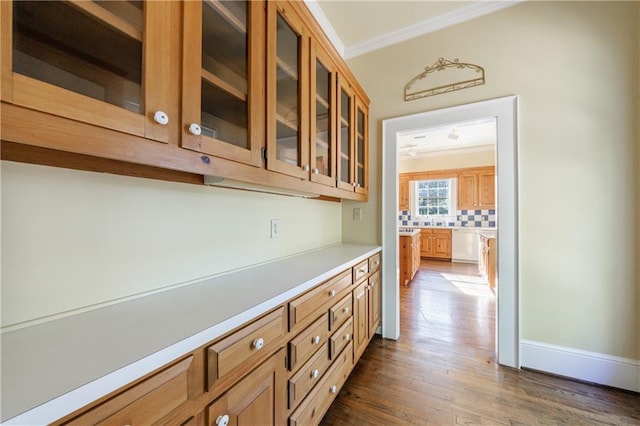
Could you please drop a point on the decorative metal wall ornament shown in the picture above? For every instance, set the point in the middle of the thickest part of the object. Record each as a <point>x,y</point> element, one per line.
<point>442,65</point>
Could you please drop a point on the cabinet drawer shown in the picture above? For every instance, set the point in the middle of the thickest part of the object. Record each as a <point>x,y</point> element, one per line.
<point>310,374</point>
<point>341,338</point>
<point>308,342</point>
<point>360,270</point>
<point>313,408</point>
<point>339,313</point>
<point>148,401</point>
<point>311,303</point>
<point>374,261</point>
<point>253,341</point>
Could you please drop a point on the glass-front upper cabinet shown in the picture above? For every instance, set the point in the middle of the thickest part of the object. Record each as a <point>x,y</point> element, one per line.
<point>345,136</point>
<point>361,147</point>
<point>83,60</point>
<point>323,118</point>
<point>287,92</point>
<point>223,79</point>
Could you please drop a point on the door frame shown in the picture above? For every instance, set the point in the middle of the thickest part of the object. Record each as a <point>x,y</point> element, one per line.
<point>505,111</point>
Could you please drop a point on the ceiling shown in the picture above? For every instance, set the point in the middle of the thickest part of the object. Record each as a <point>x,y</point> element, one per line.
<point>383,23</point>
<point>473,136</point>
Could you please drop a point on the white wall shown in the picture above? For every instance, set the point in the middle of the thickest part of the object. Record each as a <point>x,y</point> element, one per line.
<point>447,161</point>
<point>73,239</point>
<point>574,66</point>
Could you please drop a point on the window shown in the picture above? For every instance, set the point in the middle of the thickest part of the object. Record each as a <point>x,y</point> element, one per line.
<point>434,197</point>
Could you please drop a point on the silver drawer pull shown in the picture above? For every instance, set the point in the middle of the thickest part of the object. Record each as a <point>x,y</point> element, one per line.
<point>333,389</point>
<point>345,310</point>
<point>315,374</point>
<point>316,340</point>
<point>332,293</point>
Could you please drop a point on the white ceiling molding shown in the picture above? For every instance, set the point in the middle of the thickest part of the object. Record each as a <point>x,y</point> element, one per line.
<point>326,26</point>
<point>465,13</point>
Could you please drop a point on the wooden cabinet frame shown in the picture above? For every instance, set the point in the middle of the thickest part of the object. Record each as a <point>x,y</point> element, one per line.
<point>192,74</point>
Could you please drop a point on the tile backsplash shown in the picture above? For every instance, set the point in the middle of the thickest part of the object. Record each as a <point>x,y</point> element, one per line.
<point>465,218</point>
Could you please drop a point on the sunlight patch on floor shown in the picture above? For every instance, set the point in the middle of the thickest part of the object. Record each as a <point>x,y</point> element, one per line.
<point>472,286</point>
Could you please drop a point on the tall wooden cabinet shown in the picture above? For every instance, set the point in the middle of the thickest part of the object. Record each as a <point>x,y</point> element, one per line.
<point>99,79</point>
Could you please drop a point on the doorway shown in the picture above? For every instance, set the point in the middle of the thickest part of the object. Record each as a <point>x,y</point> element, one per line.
<point>504,110</point>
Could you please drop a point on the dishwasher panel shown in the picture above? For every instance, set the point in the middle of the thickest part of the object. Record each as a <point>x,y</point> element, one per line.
<point>464,244</point>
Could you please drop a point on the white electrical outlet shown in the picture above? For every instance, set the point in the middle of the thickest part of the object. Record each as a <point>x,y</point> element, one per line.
<point>357,213</point>
<point>275,228</point>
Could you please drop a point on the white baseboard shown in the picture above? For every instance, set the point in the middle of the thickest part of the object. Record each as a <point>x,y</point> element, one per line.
<point>623,373</point>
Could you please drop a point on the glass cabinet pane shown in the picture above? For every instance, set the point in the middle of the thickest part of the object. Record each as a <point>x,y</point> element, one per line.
<point>322,119</point>
<point>360,147</point>
<point>345,136</point>
<point>91,48</point>
<point>287,90</point>
<point>225,50</point>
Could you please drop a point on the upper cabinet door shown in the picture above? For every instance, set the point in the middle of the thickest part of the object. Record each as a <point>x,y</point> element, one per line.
<point>288,92</point>
<point>323,117</point>
<point>83,60</point>
<point>361,147</point>
<point>223,79</point>
<point>345,133</point>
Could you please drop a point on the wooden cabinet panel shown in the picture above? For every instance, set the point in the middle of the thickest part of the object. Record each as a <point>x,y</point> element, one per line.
<point>476,190</point>
<point>308,342</point>
<point>98,64</point>
<point>374,262</point>
<point>224,79</point>
<point>360,270</point>
<point>305,308</point>
<point>340,312</point>
<point>149,400</point>
<point>302,382</point>
<point>254,400</point>
<point>403,193</point>
<point>311,411</point>
<point>360,325</point>
<point>374,303</point>
<point>435,243</point>
<point>340,339</point>
<point>361,147</point>
<point>246,345</point>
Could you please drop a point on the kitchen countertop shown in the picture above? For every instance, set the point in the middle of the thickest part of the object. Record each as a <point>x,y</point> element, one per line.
<point>408,232</point>
<point>489,233</point>
<point>466,228</point>
<point>52,369</point>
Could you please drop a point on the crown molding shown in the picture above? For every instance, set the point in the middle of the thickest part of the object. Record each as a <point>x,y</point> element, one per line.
<point>465,13</point>
<point>326,26</point>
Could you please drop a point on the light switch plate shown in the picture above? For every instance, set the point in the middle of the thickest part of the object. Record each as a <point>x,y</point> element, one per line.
<point>357,213</point>
<point>275,228</point>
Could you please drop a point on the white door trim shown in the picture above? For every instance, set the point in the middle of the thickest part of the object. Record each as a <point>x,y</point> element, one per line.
<point>505,110</point>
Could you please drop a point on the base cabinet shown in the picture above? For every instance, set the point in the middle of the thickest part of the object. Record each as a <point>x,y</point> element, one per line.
<point>435,243</point>
<point>487,259</point>
<point>409,257</point>
<point>285,366</point>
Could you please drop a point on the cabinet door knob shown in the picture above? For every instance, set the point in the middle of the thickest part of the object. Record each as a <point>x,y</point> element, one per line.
<point>305,167</point>
<point>315,374</point>
<point>347,337</point>
<point>195,129</point>
<point>332,293</point>
<point>222,420</point>
<point>346,310</point>
<point>161,118</point>
<point>316,340</point>
<point>333,389</point>
<point>316,171</point>
<point>258,343</point>
<point>354,184</point>
<point>362,270</point>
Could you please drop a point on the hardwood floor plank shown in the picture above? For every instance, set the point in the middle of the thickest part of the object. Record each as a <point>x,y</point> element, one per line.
<point>443,371</point>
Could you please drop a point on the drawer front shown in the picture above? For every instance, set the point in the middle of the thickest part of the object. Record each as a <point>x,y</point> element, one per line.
<point>146,402</point>
<point>308,342</point>
<point>310,374</point>
<point>340,312</point>
<point>311,303</point>
<point>374,261</point>
<point>253,341</point>
<point>360,270</point>
<point>341,338</point>
<point>313,408</point>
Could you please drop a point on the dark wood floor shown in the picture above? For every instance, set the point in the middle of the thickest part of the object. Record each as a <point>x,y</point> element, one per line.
<point>442,370</point>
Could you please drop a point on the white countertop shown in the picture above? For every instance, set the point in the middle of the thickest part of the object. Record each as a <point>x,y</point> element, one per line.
<point>408,232</point>
<point>458,228</point>
<point>52,369</point>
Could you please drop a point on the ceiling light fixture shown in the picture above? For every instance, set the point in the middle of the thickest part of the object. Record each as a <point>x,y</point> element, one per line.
<point>453,135</point>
